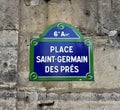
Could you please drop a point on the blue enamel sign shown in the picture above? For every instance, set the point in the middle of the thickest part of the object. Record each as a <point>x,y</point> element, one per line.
<point>61,54</point>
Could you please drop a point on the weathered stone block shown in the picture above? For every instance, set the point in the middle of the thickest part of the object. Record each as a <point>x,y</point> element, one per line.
<point>8,64</point>
<point>8,100</point>
<point>32,96</point>
<point>83,96</point>
<point>59,11</point>
<point>71,101</point>
<point>84,14</point>
<point>9,14</point>
<point>7,94</point>
<point>26,106</point>
<point>8,38</point>
<point>107,17</point>
<point>24,83</point>
<point>33,18</point>
<point>115,17</point>
<point>84,105</point>
<point>107,67</point>
<point>8,104</point>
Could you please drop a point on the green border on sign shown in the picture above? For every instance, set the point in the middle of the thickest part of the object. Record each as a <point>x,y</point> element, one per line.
<point>35,41</point>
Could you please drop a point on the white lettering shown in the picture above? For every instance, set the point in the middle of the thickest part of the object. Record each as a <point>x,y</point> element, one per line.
<point>45,59</point>
<point>55,34</point>
<point>61,49</point>
<point>63,34</point>
<point>51,69</point>
<point>72,59</point>
<point>69,69</point>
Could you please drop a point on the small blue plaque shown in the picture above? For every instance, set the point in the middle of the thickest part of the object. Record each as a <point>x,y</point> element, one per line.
<point>61,54</point>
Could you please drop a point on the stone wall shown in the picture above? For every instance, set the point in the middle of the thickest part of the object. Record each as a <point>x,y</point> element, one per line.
<point>21,20</point>
<point>9,26</point>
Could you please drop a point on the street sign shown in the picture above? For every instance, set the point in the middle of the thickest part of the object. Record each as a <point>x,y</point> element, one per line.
<point>61,54</point>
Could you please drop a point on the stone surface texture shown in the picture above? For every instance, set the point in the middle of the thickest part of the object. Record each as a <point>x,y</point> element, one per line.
<point>21,20</point>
